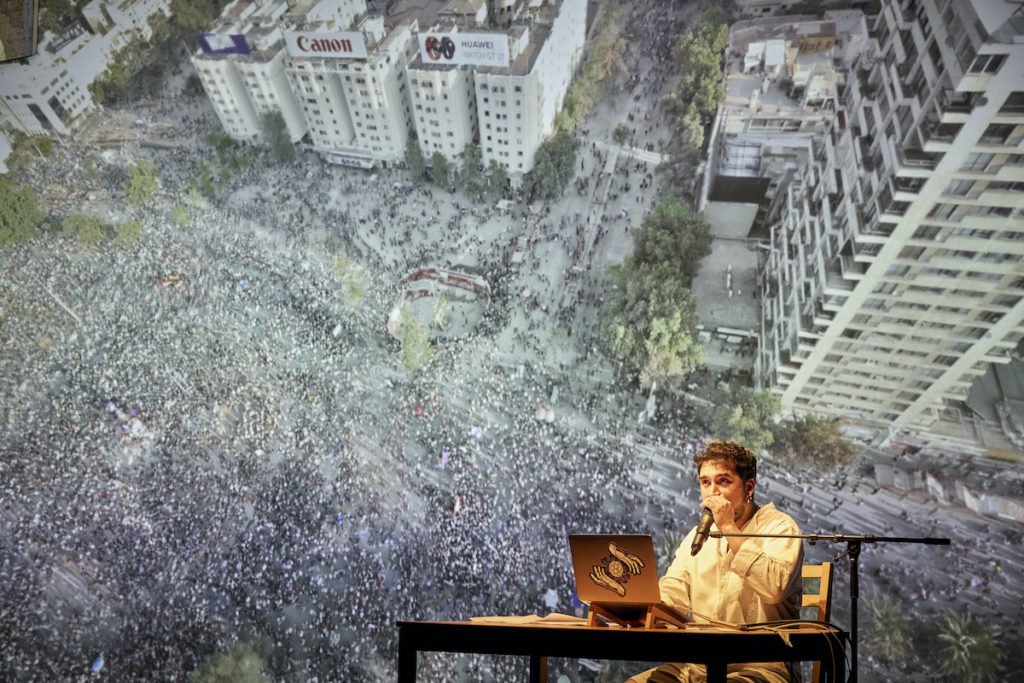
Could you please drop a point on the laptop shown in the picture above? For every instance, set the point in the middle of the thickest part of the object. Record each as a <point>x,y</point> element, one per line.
<point>618,574</point>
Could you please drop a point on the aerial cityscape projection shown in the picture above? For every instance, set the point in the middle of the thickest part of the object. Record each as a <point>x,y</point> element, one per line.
<point>322,318</point>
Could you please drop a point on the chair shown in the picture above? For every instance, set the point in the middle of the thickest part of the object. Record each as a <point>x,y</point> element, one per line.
<point>817,597</point>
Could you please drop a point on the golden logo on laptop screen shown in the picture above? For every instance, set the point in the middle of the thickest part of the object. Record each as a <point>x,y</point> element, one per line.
<point>614,569</point>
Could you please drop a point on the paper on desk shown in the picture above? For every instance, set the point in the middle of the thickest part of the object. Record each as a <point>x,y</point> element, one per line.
<point>553,618</point>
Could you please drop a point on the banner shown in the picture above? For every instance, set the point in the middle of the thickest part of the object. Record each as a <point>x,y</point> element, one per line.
<point>475,49</point>
<point>224,44</point>
<point>328,44</point>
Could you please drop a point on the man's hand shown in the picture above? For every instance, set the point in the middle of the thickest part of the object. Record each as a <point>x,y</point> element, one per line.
<point>723,512</point>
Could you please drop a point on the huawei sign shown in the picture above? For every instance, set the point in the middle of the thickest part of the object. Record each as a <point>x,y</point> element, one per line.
<point>334,44</point>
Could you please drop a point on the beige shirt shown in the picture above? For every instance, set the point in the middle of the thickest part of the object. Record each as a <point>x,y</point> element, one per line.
<point>762,582</point>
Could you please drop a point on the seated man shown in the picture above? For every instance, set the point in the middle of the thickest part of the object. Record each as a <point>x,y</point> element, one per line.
<point>737,580</point>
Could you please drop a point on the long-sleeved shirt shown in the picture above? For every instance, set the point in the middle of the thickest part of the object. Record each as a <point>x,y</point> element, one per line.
<point>761,582</point>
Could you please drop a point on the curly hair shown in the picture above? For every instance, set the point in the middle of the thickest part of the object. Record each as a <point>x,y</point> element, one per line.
<point>720,450</point>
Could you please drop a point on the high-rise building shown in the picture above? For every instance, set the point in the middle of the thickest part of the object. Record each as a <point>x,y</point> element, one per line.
<point>896,271</point>
<point>352,88</point>
<point>517,105</point>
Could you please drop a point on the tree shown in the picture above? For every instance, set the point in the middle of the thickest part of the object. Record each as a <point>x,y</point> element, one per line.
<point>691,131</point>
<point>194,15</point>
<point>888,637</point>
<point>21,214</point>
<point>554,165</point>
<point>745,416</point>
<point>275,134</point>
<point>651,322</point>
<point>620,134</point>
<point>416,349</point>
<point>127,232</point>
<point>441,169</point>
<point>812,440</point>
<point>352,276</point>
<point>142,182</point>
<point>88,230</point>
<point>969,652</point>
<point>471,171</point>
<point>239,664</point>
<point>497,178</point>
<point>111,83</point>
<point>181,216</point>
<point>676,234</point>
<point>414,160</point>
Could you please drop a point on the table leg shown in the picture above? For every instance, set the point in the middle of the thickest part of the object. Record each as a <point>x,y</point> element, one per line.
<point>538,669</point>
<point>716,672</point>
<point>406,661</point>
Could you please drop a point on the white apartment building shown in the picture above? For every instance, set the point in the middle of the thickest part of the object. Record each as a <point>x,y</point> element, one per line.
<point>352,89</point>
<point>443,107</point>
<point>49,92</point>
<point>896,271</point>
<point>241,65</point>
<point>517,105</point>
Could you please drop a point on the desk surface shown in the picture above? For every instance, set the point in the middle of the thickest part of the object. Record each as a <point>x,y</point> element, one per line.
<point>716,647</point>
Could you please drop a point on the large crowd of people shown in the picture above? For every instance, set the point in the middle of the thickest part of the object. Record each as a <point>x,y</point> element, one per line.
<point>206,442</point>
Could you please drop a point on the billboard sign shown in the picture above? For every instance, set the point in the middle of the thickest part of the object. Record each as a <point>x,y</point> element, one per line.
<point>224,44</point>
<point>474,49</point>
<point>326,44</point>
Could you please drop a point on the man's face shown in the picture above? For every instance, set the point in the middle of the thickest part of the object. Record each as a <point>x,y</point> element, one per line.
<point>719,478</point>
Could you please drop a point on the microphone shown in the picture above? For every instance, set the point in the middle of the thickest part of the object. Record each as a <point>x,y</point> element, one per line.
<point>703,529</point>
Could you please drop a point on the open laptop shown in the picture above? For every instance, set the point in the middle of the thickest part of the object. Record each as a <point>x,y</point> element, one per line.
<point>618,574</point>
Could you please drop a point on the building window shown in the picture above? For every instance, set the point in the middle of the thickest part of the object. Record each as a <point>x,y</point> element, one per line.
<point>997,134</point>
<point>959,188</point>
<point>977,163</point>
<point>988,64</point>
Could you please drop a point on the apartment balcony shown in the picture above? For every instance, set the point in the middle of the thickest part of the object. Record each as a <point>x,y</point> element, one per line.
<point>917,161</point>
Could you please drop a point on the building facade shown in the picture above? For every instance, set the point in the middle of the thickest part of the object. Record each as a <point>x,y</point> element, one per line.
<point>896,271</point>
<point>352,89</point>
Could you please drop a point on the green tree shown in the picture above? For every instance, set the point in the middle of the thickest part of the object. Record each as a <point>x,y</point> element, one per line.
<point>471,171</point>
<point>88,230</point>
<point>620,134</point>
<point>650,322</point>
<point>674,233</point>
<point>239,664</point>
<point>497,178</point>
<point>20,215</point>
<point>554,165</point>
<point>968,649</point>
<point>414,160</point>
<point>889,631</point>
<point>745,416</point>
<point>127,232</point>
<point>276,137</point>
<point>194,15</point>
<point>691,131</point>
<point>416,349</point>
<point>181,216</point>
<point>142,182</point>
<point>353,278</point>
<point>441,170</point>
<point>111,83</point>
<point>813,440</point>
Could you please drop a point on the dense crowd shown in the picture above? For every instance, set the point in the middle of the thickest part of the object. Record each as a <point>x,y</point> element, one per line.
<point>235,452</point>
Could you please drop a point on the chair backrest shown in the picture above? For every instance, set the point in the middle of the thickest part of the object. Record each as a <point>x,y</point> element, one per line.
<point>818,590</point>
<point>817,599</point>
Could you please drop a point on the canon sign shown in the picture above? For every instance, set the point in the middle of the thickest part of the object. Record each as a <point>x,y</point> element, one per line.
<point>333,45</point>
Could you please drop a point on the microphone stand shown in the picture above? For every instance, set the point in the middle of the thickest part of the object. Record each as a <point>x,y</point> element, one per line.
<point>853,547</point>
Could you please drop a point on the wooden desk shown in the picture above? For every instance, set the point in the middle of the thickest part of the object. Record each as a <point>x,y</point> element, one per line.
<point>715,648</point>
